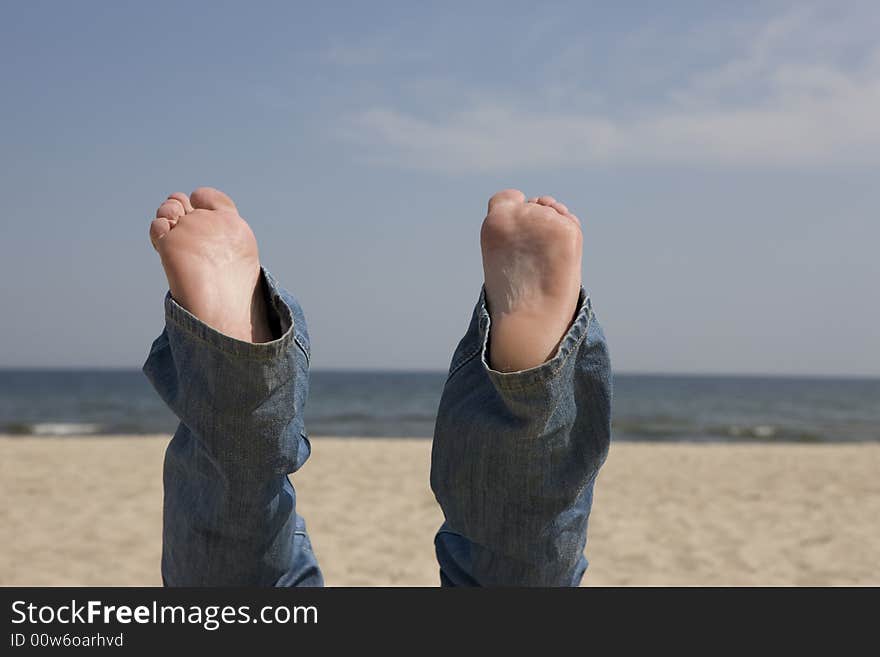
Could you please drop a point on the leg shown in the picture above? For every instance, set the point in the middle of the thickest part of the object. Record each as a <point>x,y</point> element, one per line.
<point>232,363</point>
<point>524,421</point>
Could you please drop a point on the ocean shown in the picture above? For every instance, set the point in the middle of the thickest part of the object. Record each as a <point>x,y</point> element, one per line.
<point>646,407</point>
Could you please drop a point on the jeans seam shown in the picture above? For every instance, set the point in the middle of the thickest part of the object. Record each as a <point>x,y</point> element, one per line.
<point>302,348</point>
<point>463,362</point>
<point>277,298</point>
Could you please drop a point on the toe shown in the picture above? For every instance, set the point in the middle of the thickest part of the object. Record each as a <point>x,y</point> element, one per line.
<point>506,197</point>
<point>560,208</point>
<point>551,202</point>
<point>208,198</point>
<point>171,209</point>
<point>160,227</point>
<point>184,200</point>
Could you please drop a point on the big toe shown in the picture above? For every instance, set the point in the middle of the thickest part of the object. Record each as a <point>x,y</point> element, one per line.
<point>506,197</point>
<point>208,198</point>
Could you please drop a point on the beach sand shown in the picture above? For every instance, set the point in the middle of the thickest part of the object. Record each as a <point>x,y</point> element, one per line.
<point>88,511</point>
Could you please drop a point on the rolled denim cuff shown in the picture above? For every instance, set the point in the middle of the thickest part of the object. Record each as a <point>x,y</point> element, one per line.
<point>524,380</point>
<point>183,320</point>
<point>227,391</point>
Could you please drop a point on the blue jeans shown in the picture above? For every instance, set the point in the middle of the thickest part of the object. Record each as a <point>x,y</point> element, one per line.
<point>514,459</point>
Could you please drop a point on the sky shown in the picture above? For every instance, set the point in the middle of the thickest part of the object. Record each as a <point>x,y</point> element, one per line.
<point>724,159</point>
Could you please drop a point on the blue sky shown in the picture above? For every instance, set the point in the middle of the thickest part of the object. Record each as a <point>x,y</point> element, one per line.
<point>724,160</point>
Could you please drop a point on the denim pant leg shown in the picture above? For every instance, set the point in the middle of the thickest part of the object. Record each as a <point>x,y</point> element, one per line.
<point>515,458</point>
<point>230,510</point>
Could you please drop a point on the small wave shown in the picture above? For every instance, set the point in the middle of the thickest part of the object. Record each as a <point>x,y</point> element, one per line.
<point>759,431</point>
<point>54,429</point>
<point>767,432</point>
<point>371,417</point>
<point>655,430</point>
<point>733,432</point>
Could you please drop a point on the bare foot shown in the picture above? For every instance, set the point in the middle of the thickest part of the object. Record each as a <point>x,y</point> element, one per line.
<point>532,265</point>
<point>211,261</point>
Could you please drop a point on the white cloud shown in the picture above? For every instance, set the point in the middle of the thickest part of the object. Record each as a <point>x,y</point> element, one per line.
<point>803,92</point>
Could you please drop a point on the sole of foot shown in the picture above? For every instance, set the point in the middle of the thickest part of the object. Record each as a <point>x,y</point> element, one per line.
<point>532,252</point>
<point>212,263</point>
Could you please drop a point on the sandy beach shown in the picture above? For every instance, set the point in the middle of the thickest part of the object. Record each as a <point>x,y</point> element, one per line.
<point>88,511</point>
